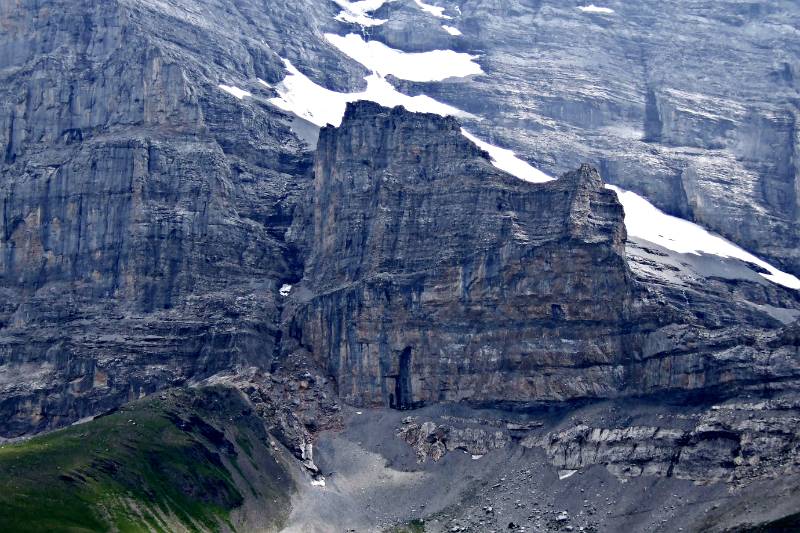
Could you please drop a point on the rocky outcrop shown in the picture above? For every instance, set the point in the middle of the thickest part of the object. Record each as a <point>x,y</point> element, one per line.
<point>433,441</point>
<point>142,208</point>
<point>735,442</point>
<point>293,400</point>
<point>663,114</point>
<point>436,277</point>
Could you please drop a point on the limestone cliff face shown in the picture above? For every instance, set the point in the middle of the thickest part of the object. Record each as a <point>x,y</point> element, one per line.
<point>142,209</point>
<point>437,277</point>
<point>663,114</point>
<point>432,276</point>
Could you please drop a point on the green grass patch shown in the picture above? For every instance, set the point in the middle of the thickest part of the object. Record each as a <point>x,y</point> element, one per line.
<point>159,461</point>
<point>415,526</point>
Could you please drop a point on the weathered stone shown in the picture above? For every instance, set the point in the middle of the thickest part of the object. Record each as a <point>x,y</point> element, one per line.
<point>437,277</point>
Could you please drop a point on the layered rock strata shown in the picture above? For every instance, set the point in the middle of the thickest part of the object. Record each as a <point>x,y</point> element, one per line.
<point>432,276</point>
<point>436,277</point>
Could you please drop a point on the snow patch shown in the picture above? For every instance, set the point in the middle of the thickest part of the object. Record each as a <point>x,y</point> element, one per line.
<point>318,481</point>
<point>235,91</point>
<point>436,11</point>
<point>318,105</point>
<point>452,30</point>
<point>436,65</point>
<point>506,160</point>
<point>591,8</point>
<point>564,474</point>
<point>476,456</point>
<point>358,12</point>
<point>646,221</point>
<point>265,84</point>
<point>285,289</point>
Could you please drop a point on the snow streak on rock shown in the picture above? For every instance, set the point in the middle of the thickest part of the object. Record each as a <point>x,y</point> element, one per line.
<point>235,91</point>
<point>436,65</point>
<point>591,8</point>
<point>646,221</point>
<point>506,160</point>
<point>436,11</point>
<point>359,12</point>
<point>301,96</point>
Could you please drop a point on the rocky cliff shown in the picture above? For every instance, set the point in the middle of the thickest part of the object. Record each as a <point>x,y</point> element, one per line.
<point>142,207</point>
<point>667,112</point>
<point>432,276</point>
<point>164,223</point>
<point>145,207</point>
<point>436,277</point>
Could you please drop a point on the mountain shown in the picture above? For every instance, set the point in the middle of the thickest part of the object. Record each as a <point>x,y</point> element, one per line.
<point>469,266</point>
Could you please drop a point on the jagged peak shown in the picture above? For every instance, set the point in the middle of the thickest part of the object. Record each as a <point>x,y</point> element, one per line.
<point>586,176</point>
<point>365,108</point>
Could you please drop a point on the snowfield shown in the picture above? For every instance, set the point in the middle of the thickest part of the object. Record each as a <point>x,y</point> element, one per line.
<point>358,12</point>
<point>300,95</point>
<point>436,65</point>
<point>234,91</point>
<point>591,8</point>
<point>436,11</point>
<point>506,160</point>
<point>646,221</point>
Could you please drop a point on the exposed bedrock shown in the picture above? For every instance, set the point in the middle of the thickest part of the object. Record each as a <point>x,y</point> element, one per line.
<point>432,276</point>
<point>437,277</point>
<point>142,208</point>
<point>692,105</point>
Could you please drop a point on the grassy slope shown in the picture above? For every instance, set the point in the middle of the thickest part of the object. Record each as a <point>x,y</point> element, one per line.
<point>415,526</point>
<point>182,460</point>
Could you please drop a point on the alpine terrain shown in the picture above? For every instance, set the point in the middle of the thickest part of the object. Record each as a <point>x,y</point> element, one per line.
<point>399,266</point>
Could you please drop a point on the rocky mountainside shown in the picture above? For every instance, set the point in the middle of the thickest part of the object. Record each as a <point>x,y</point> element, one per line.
<point>226,194</point>
<point>434,277</point>
<point>692,104</point>
<point>143,211</point>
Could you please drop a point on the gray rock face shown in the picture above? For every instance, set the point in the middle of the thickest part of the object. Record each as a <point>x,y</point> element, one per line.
<point>437,277</point>
<point>735,442</point>
<point>692,105</point>
<point>149,219</point>
<point>434,277</point>
<point>143,208</point>
<point>433,441</point>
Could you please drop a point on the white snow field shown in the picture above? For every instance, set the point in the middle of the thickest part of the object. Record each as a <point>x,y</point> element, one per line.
<point>505,159</point>
<point>235,91</point>
<point>646,221</point>
<point>591,8</point>
<point>300,95</point>
<point>359,12</point>
<point>436,65</point>
<point>436,11</point>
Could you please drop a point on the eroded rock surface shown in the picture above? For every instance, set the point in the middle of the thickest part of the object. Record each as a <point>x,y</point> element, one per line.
<point>432,276</point>
<point>143,208</point>
<point>703,122</point>
<point>436,277</point>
